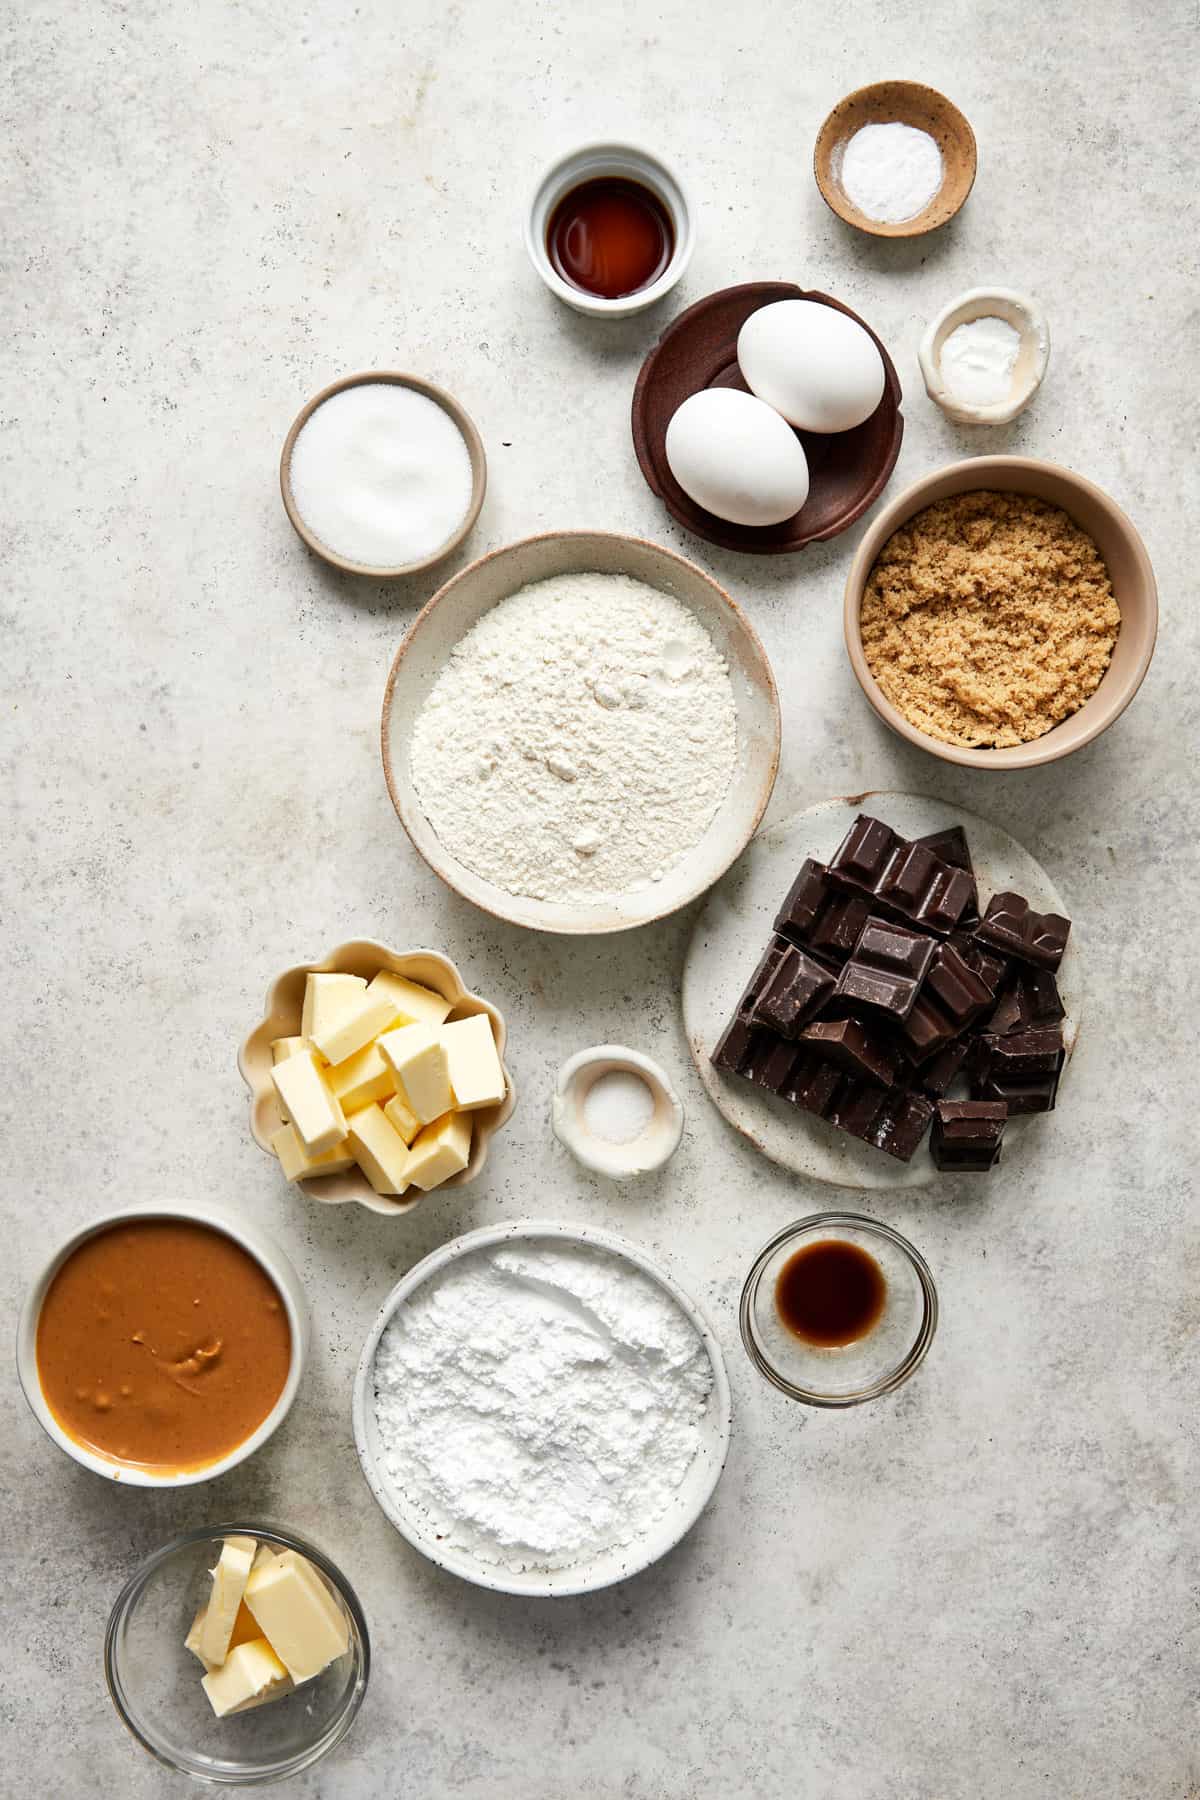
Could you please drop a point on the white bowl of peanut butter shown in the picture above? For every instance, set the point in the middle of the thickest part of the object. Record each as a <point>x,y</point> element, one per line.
<point>162,1345</point>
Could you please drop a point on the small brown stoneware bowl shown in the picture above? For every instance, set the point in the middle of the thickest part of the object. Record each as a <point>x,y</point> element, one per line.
<point>475,449</point>
<point>1129,571</point>
<point>897,103</point>
<point>847,469</point>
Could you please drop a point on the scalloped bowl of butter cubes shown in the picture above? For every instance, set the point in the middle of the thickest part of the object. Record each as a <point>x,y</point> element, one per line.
<point>232,1621</point>
<point>376,1076</point>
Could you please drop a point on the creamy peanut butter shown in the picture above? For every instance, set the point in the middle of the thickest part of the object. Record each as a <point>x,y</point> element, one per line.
<point>162,1343</point>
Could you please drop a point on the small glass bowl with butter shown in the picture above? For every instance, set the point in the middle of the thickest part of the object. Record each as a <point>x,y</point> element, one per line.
<point>156,1672</point>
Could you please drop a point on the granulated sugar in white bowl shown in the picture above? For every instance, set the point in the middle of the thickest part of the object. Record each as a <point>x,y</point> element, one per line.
<point>379,475</point>
<point>541,1410</point>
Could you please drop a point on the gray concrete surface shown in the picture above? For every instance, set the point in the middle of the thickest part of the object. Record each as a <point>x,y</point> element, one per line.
<point>983,1590</point>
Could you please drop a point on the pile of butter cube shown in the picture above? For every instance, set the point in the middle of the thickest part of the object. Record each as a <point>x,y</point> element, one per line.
<point>378,1078</point>
<point>270,1625</point>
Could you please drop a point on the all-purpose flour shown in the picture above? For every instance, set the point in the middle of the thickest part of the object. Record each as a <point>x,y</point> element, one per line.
<point>579,740</point>
<point>539,1402</point>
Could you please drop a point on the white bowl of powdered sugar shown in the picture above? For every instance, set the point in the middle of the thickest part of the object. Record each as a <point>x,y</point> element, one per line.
<point>539,1408</point>
<point>580,732</point>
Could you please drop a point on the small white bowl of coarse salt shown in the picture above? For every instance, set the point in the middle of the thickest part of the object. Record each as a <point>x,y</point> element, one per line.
<point>984,356</point>
<point>616,1111</point>
<point>383,474</point>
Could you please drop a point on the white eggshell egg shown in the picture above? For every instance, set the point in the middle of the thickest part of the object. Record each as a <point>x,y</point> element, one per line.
<point>818,368</point>
<point>736,457</point>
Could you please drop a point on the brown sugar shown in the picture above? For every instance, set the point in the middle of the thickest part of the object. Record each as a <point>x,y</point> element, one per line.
<point>988,618</point>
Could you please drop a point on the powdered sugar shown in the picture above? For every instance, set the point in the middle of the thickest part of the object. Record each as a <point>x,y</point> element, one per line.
<point>540,1402</point>
<point>579,740</point>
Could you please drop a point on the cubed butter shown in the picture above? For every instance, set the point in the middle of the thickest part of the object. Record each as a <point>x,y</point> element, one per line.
<point>421,1066</point>
<point>250,1675</point>
<point>362,1078</point>
<point>282,1048</point>
<point>245,1627</point>
<point>379,1150</point>
<point>440,1150</point>
<point>299,1617</point>
<point>400,1114</point>
<point>192,1640</point>
<point>476,1073</point>
<point>298,1165</point>
<point>229,1579</point>
<point>355,1027</point>
<point>325,995</point>
<point>415,1005</point>
<point>312,1109</point>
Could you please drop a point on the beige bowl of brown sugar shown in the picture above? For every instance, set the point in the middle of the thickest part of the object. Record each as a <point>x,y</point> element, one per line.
<point>1129,572</point>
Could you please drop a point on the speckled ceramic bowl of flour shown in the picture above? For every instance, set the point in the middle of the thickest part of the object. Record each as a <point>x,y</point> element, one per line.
<point>593,1571</point>
<point>458,606</point>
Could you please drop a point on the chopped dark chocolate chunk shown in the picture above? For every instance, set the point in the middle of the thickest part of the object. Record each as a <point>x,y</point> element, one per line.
<point>954,987</point>
<point>795,990</point>
<point>1030,1000</point>
<point>926,1030</point>
<point>1010,926</point>
<point>901,877</point>
<point>1021,1069</point>
<point>854,1046</point>
<point>987,964</point>
<point>952,848</point>
<point>886,969</point>
<point>935,1075</point>
<point>967,1134</point>
<point>819,917</point>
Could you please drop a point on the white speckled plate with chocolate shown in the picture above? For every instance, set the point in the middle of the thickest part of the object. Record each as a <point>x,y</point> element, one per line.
<point>732,933</point>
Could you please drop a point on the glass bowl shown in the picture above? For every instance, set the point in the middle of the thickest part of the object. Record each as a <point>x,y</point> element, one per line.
<point>155,1682</point>
<point>847,1374</point>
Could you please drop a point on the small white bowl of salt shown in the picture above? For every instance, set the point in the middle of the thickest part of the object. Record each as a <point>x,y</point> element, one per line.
<point>984,356</point>
<point>616,1111</point>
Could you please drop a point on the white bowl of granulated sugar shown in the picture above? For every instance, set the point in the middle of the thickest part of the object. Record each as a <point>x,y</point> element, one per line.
<point>541,1409</point>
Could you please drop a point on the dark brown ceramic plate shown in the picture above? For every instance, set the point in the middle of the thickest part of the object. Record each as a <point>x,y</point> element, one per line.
<point>847,469</point>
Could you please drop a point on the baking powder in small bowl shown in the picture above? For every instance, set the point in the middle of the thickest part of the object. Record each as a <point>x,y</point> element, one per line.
<point>381,475</point>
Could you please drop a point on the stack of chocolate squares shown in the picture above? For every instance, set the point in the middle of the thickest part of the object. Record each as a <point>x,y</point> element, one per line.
<point>882,985</point>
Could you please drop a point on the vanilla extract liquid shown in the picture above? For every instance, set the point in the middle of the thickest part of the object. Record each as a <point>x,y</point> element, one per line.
<point>830,1293</point>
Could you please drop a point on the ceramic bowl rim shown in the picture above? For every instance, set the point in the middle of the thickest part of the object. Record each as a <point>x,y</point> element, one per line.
<point>913,1357</point>
<point>614,1056</point>
<point>255,1243</point>
<point>364,1194</point>
<point>975,471</point>
<point>449,405</point>
<point>653,168</point>
<point>557,1583</point>
<point>899,228</point>
<point>195,1536</point>
<point>581,925</point>
<point>724,535</point>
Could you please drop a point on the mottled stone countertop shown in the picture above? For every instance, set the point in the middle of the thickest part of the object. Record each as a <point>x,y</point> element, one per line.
<point>983,1589</point>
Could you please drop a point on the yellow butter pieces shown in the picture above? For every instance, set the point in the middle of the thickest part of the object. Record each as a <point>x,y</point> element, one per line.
<point>362,1078</point>
<point>229,1579</point>
<point>377,1077</point>
<point>418,1059</point>
<point>476,1073</point>
<point>298,1165</point>
<point>379,1150</point>
<point>300,1618</point>
<point>285,1626</point>
<point>312,1109</point>
<point>400,1114</point>
<point>360,1023</point>
<point>250,1676</point>
<point>415,1005</point>
<point>324,997</point>
<point>439,1151</point>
